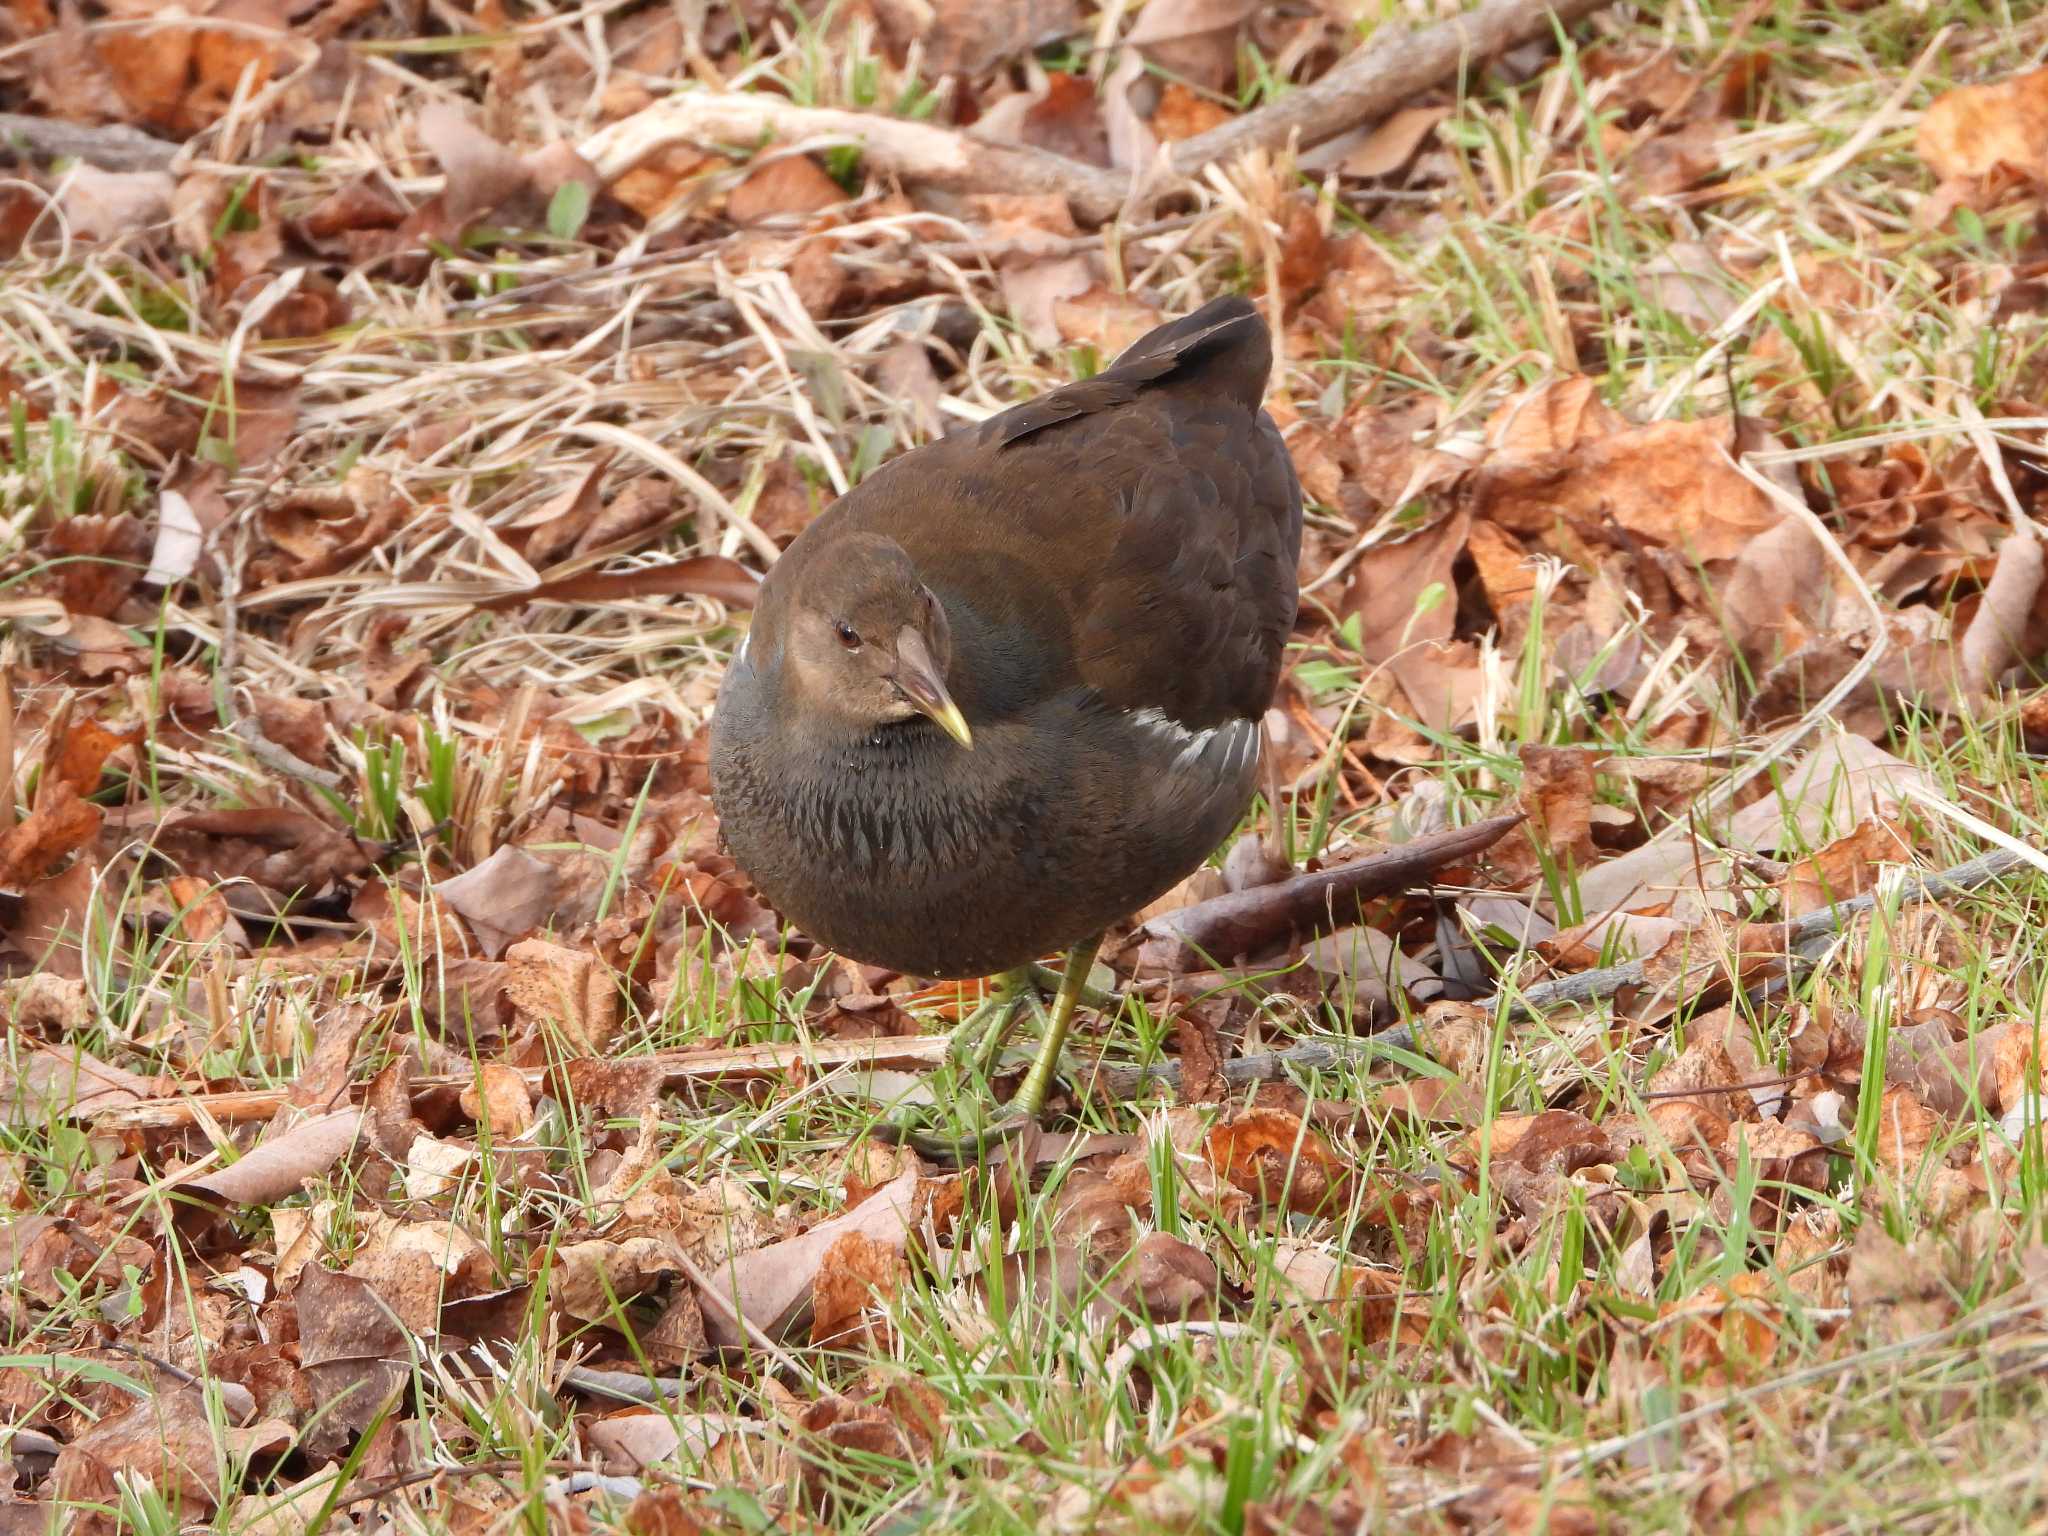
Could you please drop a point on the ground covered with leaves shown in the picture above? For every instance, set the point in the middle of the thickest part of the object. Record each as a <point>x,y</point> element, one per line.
<point>1573,1103</point>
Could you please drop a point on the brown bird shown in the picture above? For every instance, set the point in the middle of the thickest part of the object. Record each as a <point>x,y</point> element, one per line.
<point>1008,690</point>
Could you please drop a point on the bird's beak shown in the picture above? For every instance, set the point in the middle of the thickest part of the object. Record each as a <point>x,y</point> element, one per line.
<point>918,676</point>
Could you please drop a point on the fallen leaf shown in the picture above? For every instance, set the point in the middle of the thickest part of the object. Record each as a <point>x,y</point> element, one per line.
<point>59,826</point>
<point>1193,39</point>
<point>499,1100</point>
<point>482,172</point>
<point>772,1287</point>
<point>278,1165</point>
<point>415,1266</point>
<point>1394,142</point>
<point>1996,637</point>
<point>785,187</point>
<point>165,1439</point>
<point>280,850</point>
<point>700,576</point>
<point>179,539</point>
<point>1559,454</point>
<point>355,1353</point>
<point>1277,1157</point>
<point>1845,868</point>
<point>563,990</point>
<point>105,205</point>
<point>971,37</point>
<point>69,1080</point>
<point>1972,130</point>
<point>505,898</point>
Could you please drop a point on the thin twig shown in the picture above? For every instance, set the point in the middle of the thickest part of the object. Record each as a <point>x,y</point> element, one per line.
<point>1806,939</point>
<point>112,147</point>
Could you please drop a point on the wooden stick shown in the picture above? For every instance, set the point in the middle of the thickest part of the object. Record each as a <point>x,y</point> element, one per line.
<point>1806,940</point>
<point>1373,81</point>
<point>113,147</point>
<point>677,1068</point>
<point>1380,77</point>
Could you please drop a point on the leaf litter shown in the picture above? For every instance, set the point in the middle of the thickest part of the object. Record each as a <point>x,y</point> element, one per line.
<point>1569,1080</point>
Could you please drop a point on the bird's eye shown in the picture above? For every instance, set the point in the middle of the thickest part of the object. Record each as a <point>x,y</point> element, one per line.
<point>848,635</point>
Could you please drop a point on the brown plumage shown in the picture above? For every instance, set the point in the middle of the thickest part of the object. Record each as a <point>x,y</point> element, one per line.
<point>1102,580</point>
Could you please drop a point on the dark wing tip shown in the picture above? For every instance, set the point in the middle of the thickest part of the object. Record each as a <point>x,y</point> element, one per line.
<point>1226,342</point>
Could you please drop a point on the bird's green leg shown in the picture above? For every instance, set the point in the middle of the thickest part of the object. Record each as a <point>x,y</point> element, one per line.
<point>1073,983</point>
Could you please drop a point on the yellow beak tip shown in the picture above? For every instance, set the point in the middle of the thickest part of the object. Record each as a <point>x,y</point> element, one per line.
<point>955,725</point>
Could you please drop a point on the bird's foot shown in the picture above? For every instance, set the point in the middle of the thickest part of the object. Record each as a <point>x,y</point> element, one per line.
<point>977,1041</point>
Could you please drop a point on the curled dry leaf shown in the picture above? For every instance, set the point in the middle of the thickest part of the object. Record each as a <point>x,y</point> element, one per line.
<point>1280,1159</point>
<point>772,1287</point>
<point>568,991</point>
<point>498,1099</point>
<point>281,1163</point>
<point>60,825</point>
<point>1248,922</point>
<point>506,897</point>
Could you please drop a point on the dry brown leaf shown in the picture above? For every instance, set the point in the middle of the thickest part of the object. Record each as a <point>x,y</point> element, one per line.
<point>1193,39</point>
<point>1394,142</point>
<point>1997,634</point>
<point>166,1439</point>
<point>701,575</point>
<point>498,1099</point>
<point>355,1353</point>
<point>281,850</point>
<point>1557,795</point>
<point>413,1266</point>
<point>278,1165</point>
<point>69,1080</point>
<point>1723,1334</point>
<point>1106,320</point>
<point>505,898</point>
<point>857,1273</point>
<point>772,1287</point>
<point>1899,1287</point>
<point>1391,586</point>
<point>787,187</point>
<point>1845,868</point>
<point>60,825</point>
<point>1280,1159</point>
<point>565,990</point>
<point>1974,129</point>
<point>1559,455</point>
<point>970,37</point>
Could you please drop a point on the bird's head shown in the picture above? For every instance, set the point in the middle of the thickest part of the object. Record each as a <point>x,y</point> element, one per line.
<point>868,641</point>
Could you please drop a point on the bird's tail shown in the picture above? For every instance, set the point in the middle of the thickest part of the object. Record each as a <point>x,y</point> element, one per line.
<point>1225,343</point>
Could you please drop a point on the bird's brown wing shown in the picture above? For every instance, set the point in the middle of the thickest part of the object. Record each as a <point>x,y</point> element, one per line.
<point>1167,511</point>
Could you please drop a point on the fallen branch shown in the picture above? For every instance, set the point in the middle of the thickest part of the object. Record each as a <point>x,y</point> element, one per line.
<point>114,147</point>
<point>1798,934</point>
<point>1805,939</point>
<point>1380,77</point>
<point>1303,906</point>
<point>1372,82</point>
<point>677,1068</point>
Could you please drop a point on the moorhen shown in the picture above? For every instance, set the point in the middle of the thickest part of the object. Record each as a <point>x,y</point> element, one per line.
<point>1009,689</point>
